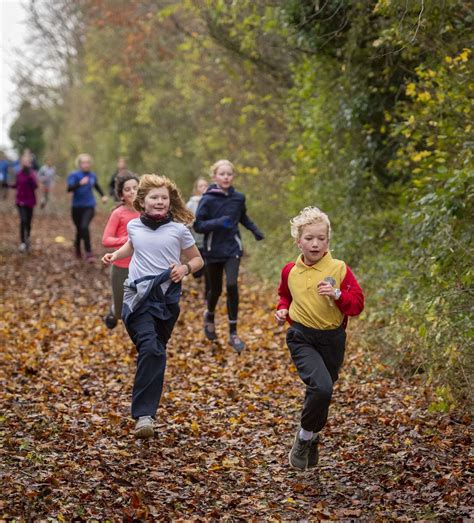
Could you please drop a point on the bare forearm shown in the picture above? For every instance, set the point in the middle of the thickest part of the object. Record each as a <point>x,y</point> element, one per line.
<point>196,263</point>
<point>194,258</point>
<point>124,252</point>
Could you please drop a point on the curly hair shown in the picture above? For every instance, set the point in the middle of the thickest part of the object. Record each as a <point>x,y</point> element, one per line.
<point>123,177</point>
<point>178,209</point>
<point>215,166</point>
<point>309,216</point>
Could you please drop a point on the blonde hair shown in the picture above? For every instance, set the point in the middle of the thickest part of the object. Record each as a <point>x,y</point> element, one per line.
<point>309,216</point>
<point>196,183</point>
<point>216,165</point>
<point>82,157</point>
<point>178,209</point>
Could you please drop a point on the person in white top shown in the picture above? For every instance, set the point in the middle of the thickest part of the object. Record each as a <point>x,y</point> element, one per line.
<point>157,241</point>
<point>46,178</point>
<point>199,188</point>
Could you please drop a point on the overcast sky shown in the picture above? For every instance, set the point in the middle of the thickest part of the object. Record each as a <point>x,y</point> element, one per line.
<point>12,35</point>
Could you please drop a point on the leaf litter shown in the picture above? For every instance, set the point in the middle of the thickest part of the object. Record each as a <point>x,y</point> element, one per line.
<point>225,423</point>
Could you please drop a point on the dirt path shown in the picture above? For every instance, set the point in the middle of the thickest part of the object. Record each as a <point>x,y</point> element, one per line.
<point>225,424</point>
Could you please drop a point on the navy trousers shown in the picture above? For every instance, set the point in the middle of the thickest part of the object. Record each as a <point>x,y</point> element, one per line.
<point>318,356</point>
<point>150,336</point>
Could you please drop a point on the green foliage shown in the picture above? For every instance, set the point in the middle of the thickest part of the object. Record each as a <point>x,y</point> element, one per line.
<point>27,130</point>
<point>364,109</point>
<point>384,146</point>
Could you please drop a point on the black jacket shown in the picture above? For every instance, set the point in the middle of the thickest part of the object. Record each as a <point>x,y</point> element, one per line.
<point>218,216</point>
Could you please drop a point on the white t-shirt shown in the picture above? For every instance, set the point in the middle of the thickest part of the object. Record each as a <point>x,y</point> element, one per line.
<point>155,250</point>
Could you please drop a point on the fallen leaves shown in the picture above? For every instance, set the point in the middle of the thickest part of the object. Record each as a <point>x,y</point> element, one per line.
<point>225,423</point>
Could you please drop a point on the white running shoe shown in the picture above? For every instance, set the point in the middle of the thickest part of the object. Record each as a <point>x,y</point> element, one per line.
<point>144,427</point>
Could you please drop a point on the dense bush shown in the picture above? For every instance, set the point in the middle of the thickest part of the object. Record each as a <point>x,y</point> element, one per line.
<point>362,108</point>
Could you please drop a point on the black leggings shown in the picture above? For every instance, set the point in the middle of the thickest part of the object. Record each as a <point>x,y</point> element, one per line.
<point>215,273</point>
<point>200,273</point>
<point>26,217</point>
<point>82,217</point>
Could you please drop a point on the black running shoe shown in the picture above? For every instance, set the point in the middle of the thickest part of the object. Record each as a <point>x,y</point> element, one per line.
<point>110,321</point>
<point>209,328</point>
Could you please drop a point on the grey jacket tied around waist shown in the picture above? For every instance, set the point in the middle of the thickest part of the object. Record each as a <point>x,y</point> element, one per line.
<point>146,294</point>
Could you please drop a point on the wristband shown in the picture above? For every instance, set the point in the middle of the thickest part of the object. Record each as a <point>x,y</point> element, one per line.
<point>189,268</point>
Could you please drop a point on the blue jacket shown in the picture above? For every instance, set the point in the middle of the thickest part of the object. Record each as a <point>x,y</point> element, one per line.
<point>217,217</point>
<point>83,195</point>
<point>147,294</point>
<point>4,166</point>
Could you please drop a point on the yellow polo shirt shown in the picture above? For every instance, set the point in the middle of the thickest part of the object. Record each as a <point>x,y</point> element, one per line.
<point>307,306</point>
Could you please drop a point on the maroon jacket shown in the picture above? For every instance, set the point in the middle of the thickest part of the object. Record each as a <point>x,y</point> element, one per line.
<point>26,184</point>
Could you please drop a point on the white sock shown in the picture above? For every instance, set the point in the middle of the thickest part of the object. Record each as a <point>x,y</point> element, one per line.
<point>306,435</point>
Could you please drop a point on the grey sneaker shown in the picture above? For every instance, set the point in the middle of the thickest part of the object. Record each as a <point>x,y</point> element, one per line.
<point>209,328</point>
<point>298,456</point>
<point>236,343</point>
<point>144,427</point>
<point>313,454</point>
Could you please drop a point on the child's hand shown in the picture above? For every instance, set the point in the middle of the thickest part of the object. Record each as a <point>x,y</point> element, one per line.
<point>259,236</point>
<point>326,289</point>
<point>84,181</point>
<point>104,199</point>
<point>226,222</point>
<point>178,272</point>
<point>281,316</point>
<point>108,258</point>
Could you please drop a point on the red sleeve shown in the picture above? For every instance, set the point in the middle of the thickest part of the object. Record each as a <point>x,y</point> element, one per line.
<point>283,290</point>
<point>351,302</point>
<point>110,238</point>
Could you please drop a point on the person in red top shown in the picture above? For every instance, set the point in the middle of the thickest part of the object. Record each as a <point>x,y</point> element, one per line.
<point>115,235</point>
<point>317,294</point>
<point>25,184</point>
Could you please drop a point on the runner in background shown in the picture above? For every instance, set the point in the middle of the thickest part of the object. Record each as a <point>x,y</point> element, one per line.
<point>25,185</point>
<point>81,183</point>
<point>115,235</point>
<point>199,188</point>
<point>4,168</point>
<point>46,179</point>
<point>121,167</point>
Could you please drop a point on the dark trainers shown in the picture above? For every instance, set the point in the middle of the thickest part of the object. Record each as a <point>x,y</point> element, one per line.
<point>110,321</point>
<point>298,456</point>
<point>236,343</point>
<point>209,328</point>
<point>313,454</point>
<point>144,427</point>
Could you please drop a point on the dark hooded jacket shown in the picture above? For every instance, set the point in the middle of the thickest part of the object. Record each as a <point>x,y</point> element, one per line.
<point>217,217</point>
